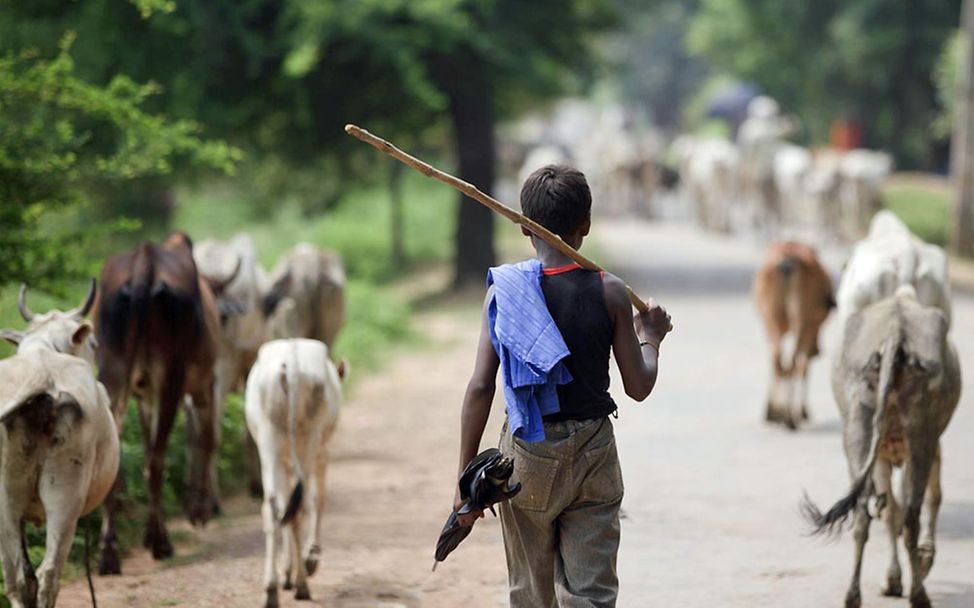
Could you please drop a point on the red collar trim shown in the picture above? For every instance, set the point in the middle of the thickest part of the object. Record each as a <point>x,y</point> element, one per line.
<point>560,269</point>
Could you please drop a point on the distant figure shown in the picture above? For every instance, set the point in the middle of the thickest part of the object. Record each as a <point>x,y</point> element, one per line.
<point>845,134</point>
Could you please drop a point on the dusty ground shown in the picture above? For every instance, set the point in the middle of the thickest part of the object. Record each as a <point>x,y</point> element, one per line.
<point>711,516</point>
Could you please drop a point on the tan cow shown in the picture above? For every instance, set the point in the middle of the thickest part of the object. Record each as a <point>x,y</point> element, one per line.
<point>56,425</point>
<point>794,296</point>
<point>293,399</point>
<point>315,281</point>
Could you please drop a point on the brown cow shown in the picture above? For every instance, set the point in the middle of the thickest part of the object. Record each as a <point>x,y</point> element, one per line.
<point>157,324</point>
<point>794,296</point>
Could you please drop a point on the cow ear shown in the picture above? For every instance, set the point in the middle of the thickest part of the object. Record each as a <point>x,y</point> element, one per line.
<point>81,334</point>
<point>12,335</point>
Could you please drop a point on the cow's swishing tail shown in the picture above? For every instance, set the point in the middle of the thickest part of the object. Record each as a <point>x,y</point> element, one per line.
<point>837,515</point>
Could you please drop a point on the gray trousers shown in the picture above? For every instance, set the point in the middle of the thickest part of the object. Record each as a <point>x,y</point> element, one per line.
<point>561,533</point>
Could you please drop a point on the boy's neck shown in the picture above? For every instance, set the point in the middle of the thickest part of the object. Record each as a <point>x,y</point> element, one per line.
<point>551,257</point>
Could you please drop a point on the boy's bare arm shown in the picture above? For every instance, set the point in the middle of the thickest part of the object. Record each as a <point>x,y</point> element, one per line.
<point>477,400</point>
<point>636,340</point>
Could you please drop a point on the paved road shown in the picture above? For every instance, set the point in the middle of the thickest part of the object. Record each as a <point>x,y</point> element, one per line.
<point>711,491</point>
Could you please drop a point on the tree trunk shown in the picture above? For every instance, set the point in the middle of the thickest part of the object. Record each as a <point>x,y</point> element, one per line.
<point>473,122</point>
<point>962,146</point>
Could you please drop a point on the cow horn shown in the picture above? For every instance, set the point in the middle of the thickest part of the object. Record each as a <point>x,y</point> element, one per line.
<point>25,312</point>
<point>222,284</point>
<point>82,310</point>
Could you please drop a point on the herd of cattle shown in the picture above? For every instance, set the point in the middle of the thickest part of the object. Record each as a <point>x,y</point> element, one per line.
<point>895,377</point>
<point>758,180</point>
<point>173,325</point>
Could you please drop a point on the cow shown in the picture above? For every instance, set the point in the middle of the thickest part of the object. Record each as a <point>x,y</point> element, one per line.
<point>315,280</point>
<point>708,170</point>
<point>243,328</point>
<point>157,323</point>
<point>897,384</point>
<point>292,404</point>
<point>59,449</point>
<point>890,256</point>
<point>793,293</point>
<point>863,174</point>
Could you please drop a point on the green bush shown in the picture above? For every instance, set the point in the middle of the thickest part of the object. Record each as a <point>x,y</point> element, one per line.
<point>924,207</point>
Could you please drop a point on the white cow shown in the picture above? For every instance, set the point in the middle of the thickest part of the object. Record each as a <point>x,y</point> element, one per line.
<point>792,166</point>
<point>890,256</point>
<point>59,448</point>
<point>293,399</point>
<point>863,174</point>
<point>708,174</point>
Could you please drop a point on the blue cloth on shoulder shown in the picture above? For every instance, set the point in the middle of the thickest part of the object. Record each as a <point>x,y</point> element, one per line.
<point>529,345</point>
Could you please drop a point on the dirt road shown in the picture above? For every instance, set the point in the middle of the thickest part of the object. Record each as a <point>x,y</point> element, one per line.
<point>711,516</point>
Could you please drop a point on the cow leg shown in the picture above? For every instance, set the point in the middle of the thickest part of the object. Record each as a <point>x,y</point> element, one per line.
<point>199,500</point>
<point>777,375</point>
<point>114,376</point>
<point>853,597</point>
<point>272,535</point>
<point>915,478</point>
<point>882,475</point>
<point>928,515</point>
<point>316,502</point>
<point>292,533</point>
<point>110,561</point>
<point>62,511</point>
<point>157,419</point>
<point>18,575</point>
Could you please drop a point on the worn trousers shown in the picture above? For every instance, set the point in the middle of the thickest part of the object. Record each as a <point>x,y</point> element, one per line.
<point>561,532</point>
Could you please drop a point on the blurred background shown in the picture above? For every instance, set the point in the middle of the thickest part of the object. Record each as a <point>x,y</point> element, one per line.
<point>122,120</point>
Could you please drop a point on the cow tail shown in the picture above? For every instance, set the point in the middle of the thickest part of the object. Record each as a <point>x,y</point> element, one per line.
<point>289,381</point>
<point>837,515</point>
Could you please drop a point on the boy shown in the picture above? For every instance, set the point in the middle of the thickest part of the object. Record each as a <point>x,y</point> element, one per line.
<point>561,532</point>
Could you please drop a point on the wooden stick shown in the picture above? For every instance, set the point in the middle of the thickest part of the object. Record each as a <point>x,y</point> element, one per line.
<point>472,192</point>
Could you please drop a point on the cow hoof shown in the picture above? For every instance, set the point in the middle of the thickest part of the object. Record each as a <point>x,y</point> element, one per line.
<point>311,561</point>
<point>919,599</point>
<point>303,593</point>
<point>270,599</point>
<point>162,549</point>
<point>109,564</point>
<point>287,586</point>
<point>199,507</point>
<point>790,424</point>
<point>893,588</point>
<point>853,599</point>
<point>927,552</point>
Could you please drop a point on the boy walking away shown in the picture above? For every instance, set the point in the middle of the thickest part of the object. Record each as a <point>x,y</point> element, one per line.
<point>549,326</point>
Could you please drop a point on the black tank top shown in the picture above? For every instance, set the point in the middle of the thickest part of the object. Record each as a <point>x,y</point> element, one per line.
<point>576,302</point>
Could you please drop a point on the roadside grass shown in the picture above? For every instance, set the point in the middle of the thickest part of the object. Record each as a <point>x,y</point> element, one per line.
<point>359,228</point>
<point>923,203</point>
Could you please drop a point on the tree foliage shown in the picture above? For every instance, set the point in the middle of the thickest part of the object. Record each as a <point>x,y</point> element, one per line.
<point>61,136</point>
<point>871,60</point>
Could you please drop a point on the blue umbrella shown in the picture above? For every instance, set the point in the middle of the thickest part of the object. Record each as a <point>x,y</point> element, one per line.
<point>731,103</point>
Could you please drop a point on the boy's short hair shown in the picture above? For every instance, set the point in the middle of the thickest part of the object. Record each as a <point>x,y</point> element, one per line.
<point>558,198</point>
